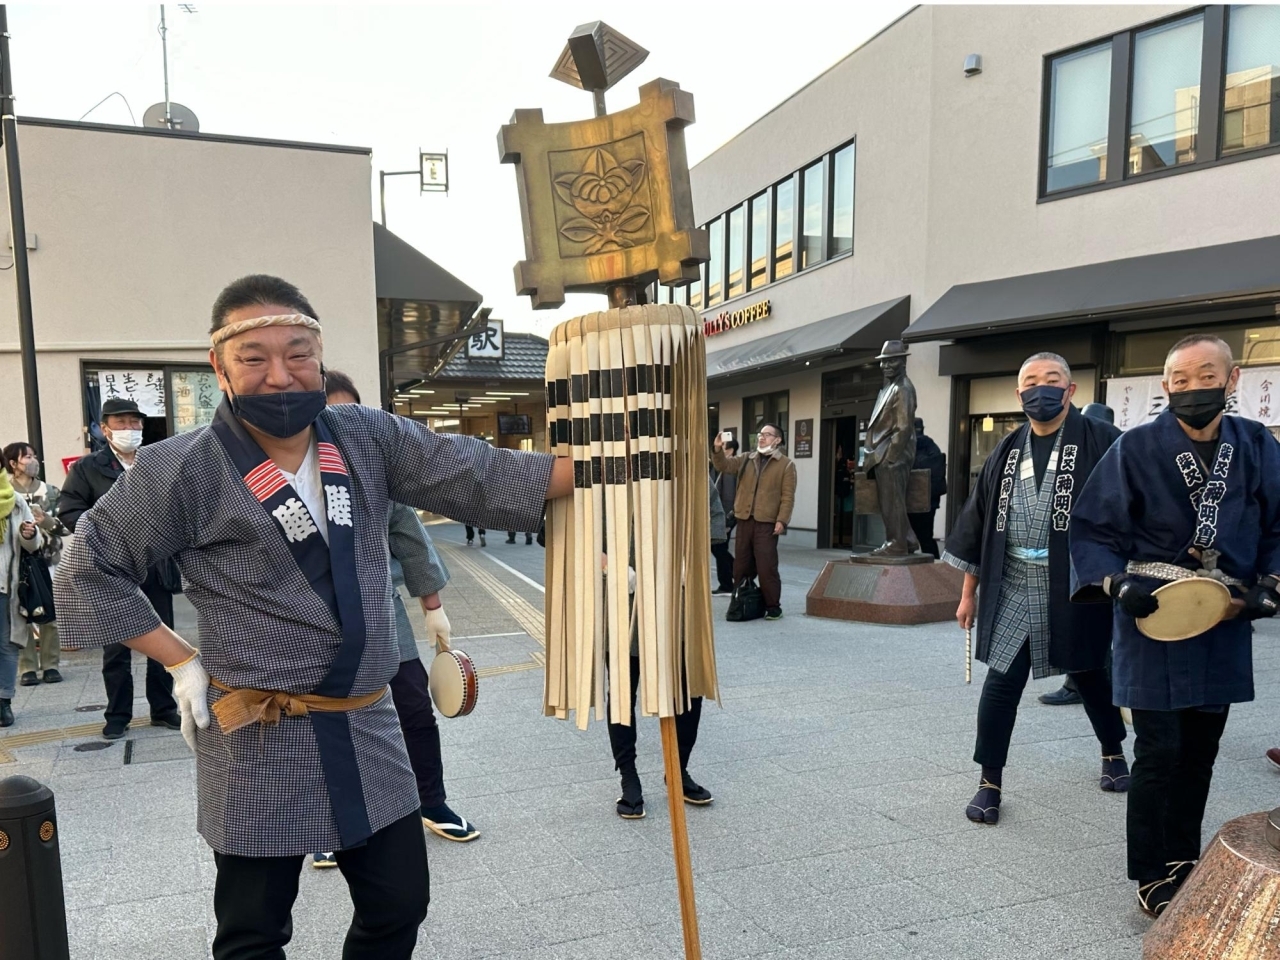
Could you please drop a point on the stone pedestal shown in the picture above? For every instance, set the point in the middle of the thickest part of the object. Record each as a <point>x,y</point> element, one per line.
<point>1229,908</point>
<point>920,590</point>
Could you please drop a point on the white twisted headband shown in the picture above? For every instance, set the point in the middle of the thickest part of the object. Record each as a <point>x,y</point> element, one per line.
<point>278,320</point>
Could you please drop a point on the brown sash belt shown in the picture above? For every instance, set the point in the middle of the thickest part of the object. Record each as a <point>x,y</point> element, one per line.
<point>239,708</point>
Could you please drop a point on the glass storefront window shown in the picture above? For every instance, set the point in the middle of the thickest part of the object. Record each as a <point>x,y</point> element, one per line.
<point>737,277</point>
<point>842,201</point>
<point>985,434</point>
<point>695,294</point>
<point>759,410</point>
<point>1252,344</point>
<point>1079,112</point>
<point>1165,97</point>
<point>1251,94</point>
<point>715,266</point>
<point>759,251</point>
<point>784,228</point>
<point>811,244</point>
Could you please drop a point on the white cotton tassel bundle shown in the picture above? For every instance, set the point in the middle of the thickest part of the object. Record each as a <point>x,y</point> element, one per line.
<point>626,397</point>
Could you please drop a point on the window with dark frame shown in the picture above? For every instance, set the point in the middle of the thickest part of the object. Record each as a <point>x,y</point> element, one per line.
<point>1164,96</point>
<point>762,409</point>
<point>1181,93</point>
<point>715,266</point>
<point>759,246</point>
<point>735,221</point>
<point>811,188</point>
<point>1079,115</point>
<point>841,191</point>
<point>1251,91</point>
<point>784,228</point>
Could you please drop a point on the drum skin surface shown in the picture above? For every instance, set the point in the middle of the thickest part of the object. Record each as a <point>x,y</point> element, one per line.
<point>1187,609</point>
<point>454,683</point>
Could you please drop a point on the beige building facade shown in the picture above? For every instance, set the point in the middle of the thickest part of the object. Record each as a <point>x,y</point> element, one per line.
<point>136,231</point>
<point>988,182</point>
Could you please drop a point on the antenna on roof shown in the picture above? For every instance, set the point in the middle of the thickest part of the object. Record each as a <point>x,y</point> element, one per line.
<point>170,115</point>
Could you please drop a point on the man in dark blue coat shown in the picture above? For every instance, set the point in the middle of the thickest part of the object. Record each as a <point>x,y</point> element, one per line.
<point>1011,542</point>
<point>1194,493</point>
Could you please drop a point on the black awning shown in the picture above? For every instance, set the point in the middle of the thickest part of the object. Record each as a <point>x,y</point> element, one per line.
<point>401,272</point>
<point>1241,271</point>
<point>864,329</point>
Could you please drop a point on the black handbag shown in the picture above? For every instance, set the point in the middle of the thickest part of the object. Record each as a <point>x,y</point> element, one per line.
<point>747,602</point>
<point>35,589</point>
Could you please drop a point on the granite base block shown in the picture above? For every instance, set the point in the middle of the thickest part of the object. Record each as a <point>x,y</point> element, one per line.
<point>885,593</point>
<point>1229,908</point>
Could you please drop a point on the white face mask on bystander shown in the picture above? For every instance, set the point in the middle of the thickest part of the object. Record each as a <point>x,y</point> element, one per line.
<point>126,441</point>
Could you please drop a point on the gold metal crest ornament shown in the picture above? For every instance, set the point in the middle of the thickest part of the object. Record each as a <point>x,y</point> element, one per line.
<point>604,200</point>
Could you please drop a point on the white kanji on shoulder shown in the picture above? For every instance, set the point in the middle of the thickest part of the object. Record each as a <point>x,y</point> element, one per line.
<point>295,520</point>
<point>338,500</point>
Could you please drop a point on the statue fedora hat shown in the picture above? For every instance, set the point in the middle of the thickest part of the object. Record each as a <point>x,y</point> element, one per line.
<point>893,348</point>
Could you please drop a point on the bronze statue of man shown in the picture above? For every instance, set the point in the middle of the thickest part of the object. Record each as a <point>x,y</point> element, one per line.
<point>890,450</point>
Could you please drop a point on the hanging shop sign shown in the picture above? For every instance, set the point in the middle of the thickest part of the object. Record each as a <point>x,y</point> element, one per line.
<point>143,387</point>
<point>1138,400</point>
<point>732,319</point>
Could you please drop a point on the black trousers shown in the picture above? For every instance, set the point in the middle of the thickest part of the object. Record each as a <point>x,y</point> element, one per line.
<point>998,709</point>
<point>412,697</point>
<point>724,564</point>
<point>623,738</point>
<point>1173,754</point>
<point>922,524</point>
<point>390,888</point>
<point>117,673</point>
<point>471,533</point>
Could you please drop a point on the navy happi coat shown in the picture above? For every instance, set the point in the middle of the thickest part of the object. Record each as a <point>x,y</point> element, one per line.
<point>1153,499</point>
<point>277,611</point>
<point>1079,634</point>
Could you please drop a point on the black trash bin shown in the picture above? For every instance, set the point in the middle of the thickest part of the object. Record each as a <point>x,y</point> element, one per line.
<point>33,915</point>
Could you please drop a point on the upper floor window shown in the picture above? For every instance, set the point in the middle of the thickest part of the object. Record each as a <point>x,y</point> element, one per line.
<point>784,228</point>
<point>1164,110</point>
<point>1251,93</point>
<point>842,201</point>
<point>811,246</point>
<point>715,266</point>
<point>1079,97</point>
<point>1181,94</point>
<point>737,277</point>
<point>759,247</point>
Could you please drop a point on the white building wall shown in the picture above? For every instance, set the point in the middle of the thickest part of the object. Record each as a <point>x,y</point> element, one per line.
<point>137,234</point>
<point>946,178</point>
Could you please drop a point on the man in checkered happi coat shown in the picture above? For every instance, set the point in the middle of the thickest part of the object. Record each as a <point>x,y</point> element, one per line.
<point>276,515</point>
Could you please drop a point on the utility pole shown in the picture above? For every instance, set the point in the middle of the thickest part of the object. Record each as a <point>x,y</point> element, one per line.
<point>18,231</point>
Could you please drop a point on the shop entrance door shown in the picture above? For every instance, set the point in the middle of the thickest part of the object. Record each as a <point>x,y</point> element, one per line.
<point>842,439</point>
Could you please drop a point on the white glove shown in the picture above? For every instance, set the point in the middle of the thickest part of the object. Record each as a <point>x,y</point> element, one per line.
<point>438,629</point>
<point>191,690</point>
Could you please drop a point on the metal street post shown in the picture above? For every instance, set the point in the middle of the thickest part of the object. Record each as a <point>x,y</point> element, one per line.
<point>18,232</point>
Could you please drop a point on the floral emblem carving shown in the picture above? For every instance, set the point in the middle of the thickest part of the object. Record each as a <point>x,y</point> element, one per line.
<point>610,198</point>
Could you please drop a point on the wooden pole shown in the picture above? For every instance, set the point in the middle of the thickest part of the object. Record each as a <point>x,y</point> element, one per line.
<point>680,839</point>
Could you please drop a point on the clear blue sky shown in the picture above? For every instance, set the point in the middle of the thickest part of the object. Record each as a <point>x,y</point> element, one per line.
<point>435,76</point>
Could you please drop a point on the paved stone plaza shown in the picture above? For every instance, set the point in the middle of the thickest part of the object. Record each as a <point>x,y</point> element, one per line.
<point>840,764</point>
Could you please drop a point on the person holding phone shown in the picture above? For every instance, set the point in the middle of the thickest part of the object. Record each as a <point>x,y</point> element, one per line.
<point>765,497</point>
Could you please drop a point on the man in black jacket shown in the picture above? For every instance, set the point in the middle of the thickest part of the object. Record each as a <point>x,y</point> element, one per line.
<point>89,480</point>
<point>929,456</point>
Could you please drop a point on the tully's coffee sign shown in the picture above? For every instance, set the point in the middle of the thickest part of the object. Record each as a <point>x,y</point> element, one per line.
<point>732,319</point>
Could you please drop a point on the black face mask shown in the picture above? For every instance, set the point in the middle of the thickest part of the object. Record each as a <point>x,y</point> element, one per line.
<point>1044,402</point>
<point>1197,408</point>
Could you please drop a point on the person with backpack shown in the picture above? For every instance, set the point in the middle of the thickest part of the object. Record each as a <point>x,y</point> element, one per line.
<point>43,652</point>
<point>18,534</point>
<point>929,457</point>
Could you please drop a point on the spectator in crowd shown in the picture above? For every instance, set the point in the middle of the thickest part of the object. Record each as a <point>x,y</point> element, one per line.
<point>416,566</point>
<point>929,457</point>
<point>41,655</point>
<point>763,503</point>
<point>727,487</point>
<point>18,532</point>
<point>720,544</point>
<point>87,483</point>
